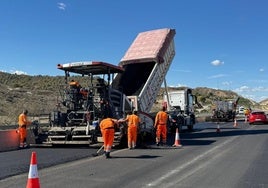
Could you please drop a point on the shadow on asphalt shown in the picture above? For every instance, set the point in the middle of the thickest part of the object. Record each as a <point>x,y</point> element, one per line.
<point>224,133</point>
<point>189,142</point>
<point>137,157</point>
<point>199,137</point>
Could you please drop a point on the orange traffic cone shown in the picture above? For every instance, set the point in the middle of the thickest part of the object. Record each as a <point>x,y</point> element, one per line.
<point>177,142</point>
<point>235,123</point>
<point>33,179</point>
<point>218,128</point>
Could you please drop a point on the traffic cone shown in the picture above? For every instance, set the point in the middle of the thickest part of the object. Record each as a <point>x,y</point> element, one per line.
<point>177,142</point>
<point>246,119</point>
<point>235,123</point>
<point>218,128</point>
<point>33,179</point>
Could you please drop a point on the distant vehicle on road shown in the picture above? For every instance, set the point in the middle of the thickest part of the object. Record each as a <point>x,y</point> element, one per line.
<point>224,110</point>
<point>240,115</point>
<point>241,110</point>
<point>257,117</point>
<point>180,105</point>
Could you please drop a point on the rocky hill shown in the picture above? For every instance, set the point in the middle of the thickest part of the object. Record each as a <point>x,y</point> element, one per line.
<point>264,105</point>
<point>41,94</point>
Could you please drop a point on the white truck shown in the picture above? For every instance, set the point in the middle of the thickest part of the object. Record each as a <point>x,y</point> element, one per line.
<point>133,84</point>
<point>180,106</point>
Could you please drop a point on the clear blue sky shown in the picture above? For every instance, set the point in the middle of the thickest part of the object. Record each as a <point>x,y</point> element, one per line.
<point>219,43</point>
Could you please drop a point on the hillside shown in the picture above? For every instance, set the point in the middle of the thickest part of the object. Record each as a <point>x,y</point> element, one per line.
<point>264,105</point>
<point>207,96</point>
<point>40,95</point>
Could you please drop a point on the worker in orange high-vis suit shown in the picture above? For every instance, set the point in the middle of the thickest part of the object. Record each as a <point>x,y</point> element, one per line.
<point>160,125</point>
<point>73,83</point>
<point>107,127</point>
<point>133,122</point>
<point>246,112</point>
<point>23,123</point>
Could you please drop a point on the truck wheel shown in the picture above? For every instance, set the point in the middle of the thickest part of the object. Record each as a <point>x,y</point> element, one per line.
<point>180,123</point>
<point>123,141</point>
<point>190,127</point>
<point>192,122</point>
<point>179,127</point>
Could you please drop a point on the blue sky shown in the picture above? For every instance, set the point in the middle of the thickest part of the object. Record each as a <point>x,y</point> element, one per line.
<point>219,44</point>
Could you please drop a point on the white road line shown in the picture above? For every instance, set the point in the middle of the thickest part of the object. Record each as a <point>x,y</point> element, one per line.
<point>213,150</point>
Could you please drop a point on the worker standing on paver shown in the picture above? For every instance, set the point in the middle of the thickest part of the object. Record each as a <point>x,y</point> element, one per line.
<point>23,123</point>
<point>160,125</point>
<point>107,126</point>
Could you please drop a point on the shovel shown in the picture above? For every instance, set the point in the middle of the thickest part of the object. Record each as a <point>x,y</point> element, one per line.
<point>98,152</point>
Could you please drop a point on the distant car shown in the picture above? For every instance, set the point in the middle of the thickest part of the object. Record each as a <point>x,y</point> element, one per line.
<point>241,110</point>
<point>257,117</point>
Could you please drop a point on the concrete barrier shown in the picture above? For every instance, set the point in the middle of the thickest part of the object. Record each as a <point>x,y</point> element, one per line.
<point>9,139</point>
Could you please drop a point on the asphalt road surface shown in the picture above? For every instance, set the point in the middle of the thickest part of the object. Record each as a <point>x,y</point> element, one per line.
<point>231,158</point>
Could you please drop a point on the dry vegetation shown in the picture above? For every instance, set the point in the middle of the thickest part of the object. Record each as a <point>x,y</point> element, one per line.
<point>40,95</point>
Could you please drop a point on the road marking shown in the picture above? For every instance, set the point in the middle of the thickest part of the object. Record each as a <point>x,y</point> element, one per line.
<point>213,151</point>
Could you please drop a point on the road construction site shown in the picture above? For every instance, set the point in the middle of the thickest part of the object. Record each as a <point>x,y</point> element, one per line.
<point>69,153</point>
<point>230,157</point>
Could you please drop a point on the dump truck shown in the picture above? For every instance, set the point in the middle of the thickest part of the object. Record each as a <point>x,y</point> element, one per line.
<point>112,91</point>
<point>146,64</point>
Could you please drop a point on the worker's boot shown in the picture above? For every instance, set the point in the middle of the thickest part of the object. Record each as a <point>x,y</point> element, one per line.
<point>25,145</point>
<point>21,145</point>
<point>107,154</point>
<point>129,146</point>
<point>157,141</point>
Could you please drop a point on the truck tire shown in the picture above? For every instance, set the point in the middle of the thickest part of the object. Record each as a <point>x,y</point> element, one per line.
<point>179,128</point>
<point>180,123</point>
<point>123,142</point>
<point>191,125</point>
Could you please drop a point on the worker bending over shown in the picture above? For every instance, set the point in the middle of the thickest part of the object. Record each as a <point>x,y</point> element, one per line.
<point>107,126</point>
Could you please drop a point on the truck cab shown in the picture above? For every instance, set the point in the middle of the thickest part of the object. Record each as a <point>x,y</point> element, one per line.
<point>180,105</point>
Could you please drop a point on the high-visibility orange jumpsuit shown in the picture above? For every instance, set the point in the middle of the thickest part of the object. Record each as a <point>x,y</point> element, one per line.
<point>246,112</point>
<point>74,84</point>
<point>107,127</point>
<point>133,123</point>
<point>23,122</point>
<point>161,126</point>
